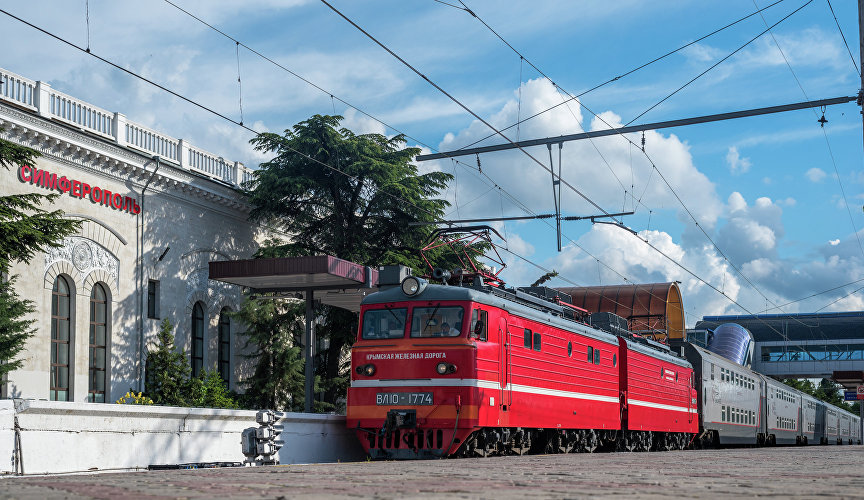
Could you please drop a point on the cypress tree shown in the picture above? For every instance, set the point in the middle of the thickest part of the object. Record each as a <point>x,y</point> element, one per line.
<point>26,230</point>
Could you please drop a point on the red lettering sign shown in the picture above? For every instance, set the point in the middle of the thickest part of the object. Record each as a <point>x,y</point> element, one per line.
<point>78,189</point>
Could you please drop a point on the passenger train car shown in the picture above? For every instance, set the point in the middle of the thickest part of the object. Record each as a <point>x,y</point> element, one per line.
<point>740,406</point>
<point>480,370</point>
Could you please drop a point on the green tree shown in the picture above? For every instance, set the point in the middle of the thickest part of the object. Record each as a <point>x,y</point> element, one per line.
<point>167,381</point>
<point>273,330</point>
<point>827,391</point>
<point>25,230</point>
<point>208,390</point>
<point>361,214</point>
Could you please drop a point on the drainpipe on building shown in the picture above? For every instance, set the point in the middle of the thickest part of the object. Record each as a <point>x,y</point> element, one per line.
<point>140,237</point>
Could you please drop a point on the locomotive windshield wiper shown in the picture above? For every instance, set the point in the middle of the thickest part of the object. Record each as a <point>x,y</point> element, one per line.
<point>390,310</point>
<point>431,316</point>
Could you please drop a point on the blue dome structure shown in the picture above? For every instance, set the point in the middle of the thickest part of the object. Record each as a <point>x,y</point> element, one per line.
<point>733,342</point>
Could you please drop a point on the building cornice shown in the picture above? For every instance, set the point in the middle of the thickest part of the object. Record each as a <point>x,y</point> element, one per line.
<point>62,143</point>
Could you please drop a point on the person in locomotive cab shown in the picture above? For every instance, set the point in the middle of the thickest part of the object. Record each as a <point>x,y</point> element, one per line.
<point>446,331</point>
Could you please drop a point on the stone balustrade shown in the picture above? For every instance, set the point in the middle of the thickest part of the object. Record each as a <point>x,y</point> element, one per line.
<point>49,103</point>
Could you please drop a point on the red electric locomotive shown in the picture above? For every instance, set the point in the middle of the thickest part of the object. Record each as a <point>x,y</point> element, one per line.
<point>476,370</point>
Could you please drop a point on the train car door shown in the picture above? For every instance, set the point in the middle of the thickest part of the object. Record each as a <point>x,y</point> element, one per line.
<point>692,396</point>
<point>505,341</point>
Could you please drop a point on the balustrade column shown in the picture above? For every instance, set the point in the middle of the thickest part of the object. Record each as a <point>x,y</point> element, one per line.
<point>183,152</point>
<point>42,99</point>
<point>119,129</point>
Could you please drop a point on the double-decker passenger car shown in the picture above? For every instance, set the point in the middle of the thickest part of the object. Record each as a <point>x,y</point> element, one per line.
<point>729,405</point>
<point>740,406</point>
<point>477,370</point>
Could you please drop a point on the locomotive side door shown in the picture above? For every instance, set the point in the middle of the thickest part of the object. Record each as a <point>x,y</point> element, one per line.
<point>504,340</point>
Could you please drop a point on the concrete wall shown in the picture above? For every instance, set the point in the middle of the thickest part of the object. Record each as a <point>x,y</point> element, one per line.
<point>67,437</point>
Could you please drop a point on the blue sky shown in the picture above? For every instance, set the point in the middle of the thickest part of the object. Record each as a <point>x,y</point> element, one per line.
<point>765,190</point>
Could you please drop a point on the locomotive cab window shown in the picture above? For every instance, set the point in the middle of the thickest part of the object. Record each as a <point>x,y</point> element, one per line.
<point>596,356</point>
<point>590,354</point>
<point>478,324</point>
<point>527,342</point>
<point>436,321</point>
<point>536,341</point>
<point>569,349</point>
<point>384,323</point>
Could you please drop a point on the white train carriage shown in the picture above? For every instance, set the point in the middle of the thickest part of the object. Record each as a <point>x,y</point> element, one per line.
<point>832,425</point>
<point>844,434</point>
<point>810,425</point>
<point>729,402</point>
<point>855,429</point>
<point>782,409</point>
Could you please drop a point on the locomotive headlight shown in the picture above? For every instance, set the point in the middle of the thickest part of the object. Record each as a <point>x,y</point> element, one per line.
<point>445,368</point>
<point>367,370</point>
<point>413,285</point>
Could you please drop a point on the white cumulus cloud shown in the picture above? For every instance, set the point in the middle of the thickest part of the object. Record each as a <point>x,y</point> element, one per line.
<point>737,164</point>
<point>815,174</point>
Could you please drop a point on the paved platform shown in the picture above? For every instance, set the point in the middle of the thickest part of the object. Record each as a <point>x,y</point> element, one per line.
<point>829,471</point>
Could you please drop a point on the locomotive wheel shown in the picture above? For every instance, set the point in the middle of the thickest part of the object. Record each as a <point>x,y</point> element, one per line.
<point>566,441</point>
<point>647,440</point>
<point>588,441</point>
<point>520,442</point>
<point>629,441</point>
<point>553,442</point>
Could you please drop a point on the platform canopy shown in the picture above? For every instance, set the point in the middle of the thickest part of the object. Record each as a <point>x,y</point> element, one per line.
<point>332,280</point>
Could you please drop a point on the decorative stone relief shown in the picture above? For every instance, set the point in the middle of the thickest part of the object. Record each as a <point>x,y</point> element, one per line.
<point>198,281</point>
<point>86,255</point>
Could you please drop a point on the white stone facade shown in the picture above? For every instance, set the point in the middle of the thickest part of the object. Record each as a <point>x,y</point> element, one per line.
<point>189,214</point>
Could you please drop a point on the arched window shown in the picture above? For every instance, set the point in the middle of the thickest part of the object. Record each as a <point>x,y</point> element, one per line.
<point>97,374</point>
<point>61,334</point>
<point>225,346</point>
<point>197,338</point>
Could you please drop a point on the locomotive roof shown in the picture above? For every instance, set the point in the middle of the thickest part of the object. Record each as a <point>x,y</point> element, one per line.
<point>434,293</point>
<point>635,346</point>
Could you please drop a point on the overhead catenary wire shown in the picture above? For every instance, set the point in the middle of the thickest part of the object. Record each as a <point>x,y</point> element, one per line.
<point>855,64</point>
<point>485,177</point>
<point>226,118</point>
<point>332,96</point>
<point>824,133</point>
<point>197,104</point>
<point>464,107</point>
<point>811,296</point>
<point>700,75</point>
<point>653,165</point>
<point>468,110</point>
<point>623,75</point>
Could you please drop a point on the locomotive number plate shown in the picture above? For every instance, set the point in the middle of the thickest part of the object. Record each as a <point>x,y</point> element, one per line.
<point>403,398</point>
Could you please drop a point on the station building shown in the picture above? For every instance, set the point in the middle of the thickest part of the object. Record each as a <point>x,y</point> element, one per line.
<point>154,210</point>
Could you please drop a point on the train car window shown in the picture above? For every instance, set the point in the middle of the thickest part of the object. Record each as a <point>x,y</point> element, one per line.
<point>384,323</point>
<point>436,321</point>
<point>527,340</point>
<point>536,341</point>
<point>614,360</point>
<point>712,371</point>
<point>596,356</point>
<point>590,354</point>
<point>569,349</point>
<point>662,371</point>
<point>479,321</point>
<point>676,376</point>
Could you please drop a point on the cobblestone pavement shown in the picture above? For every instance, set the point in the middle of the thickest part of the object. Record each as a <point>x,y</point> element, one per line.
<point>826,471</point>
